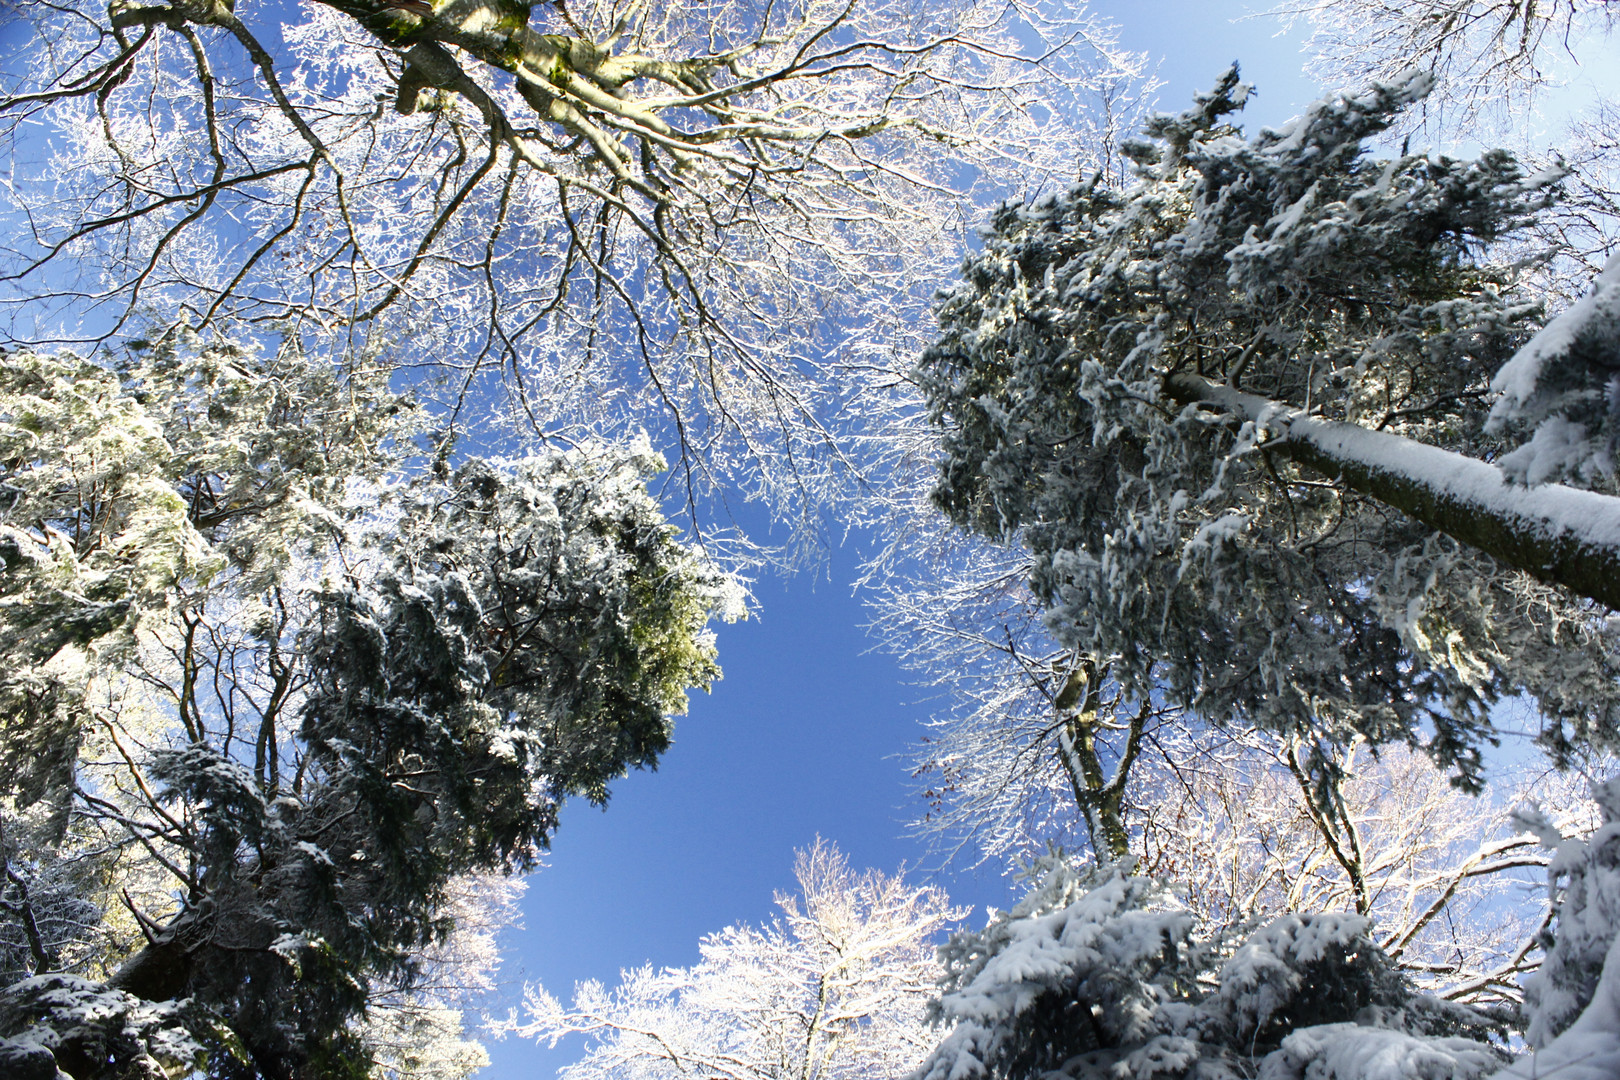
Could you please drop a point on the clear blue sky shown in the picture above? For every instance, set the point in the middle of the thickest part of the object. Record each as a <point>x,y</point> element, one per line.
<point>809,731</point>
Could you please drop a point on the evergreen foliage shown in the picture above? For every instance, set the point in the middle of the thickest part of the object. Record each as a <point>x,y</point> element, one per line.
<point>292,685</point>
<point>1564,388</point>
<point>1573,1001</point>
<point>1101,973</point>
<point>1173,537</point>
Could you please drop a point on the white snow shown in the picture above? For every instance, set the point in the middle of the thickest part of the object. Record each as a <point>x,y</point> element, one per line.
<point>1264,974</point>
<point>1286,221</point>
<point>1589,1049</point>
<point>1558,446</point>
<point>1354,1052</point>
<point>1212,536</point>
<point>1519,378</point>
<point>1551,512</point>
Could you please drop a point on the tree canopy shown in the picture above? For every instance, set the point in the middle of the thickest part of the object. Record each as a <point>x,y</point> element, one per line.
<point>272,687</point>
<point>584,218</point>
<point>1119,381</point>
<point>1258,459</point>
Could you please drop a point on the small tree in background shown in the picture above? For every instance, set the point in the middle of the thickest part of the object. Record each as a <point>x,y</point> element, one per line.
<point>836,989</point>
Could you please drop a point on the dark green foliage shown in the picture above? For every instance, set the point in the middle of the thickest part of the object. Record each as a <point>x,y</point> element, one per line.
<point>1168,539</point>
<point>345,691</point>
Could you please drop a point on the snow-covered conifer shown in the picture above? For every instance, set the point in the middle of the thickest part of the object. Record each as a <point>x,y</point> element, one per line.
<point>1573,1001</point>
<point>1102,973</point>
<point>1564,389</point>
<point>1207,403</point>
<point>275,687</point>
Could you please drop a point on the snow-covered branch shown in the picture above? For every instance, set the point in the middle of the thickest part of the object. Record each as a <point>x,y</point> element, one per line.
<point>838,987</point>
<point>1562,536</point>
<point>611,216</point>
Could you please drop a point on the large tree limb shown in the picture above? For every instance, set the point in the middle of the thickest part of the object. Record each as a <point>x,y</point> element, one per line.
<point>1559,535</point>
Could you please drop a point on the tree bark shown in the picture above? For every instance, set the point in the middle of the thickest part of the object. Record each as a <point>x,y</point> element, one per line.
<point>1559,535</point>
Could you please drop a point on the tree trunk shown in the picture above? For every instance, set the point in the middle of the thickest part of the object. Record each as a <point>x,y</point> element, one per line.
<point>1559,535</point>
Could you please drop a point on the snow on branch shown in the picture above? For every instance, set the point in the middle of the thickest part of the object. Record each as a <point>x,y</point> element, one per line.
<point>1560,535</point>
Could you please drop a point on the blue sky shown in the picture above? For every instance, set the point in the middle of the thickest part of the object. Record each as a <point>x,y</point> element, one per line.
<point>809,732</point>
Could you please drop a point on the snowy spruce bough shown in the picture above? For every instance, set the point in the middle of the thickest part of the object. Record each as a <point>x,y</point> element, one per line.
<point>1102,973</point>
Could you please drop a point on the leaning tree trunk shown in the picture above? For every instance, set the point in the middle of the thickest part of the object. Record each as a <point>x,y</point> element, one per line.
<point>1556,534</point>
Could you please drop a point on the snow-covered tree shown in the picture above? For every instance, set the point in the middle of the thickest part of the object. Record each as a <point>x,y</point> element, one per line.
<point>1104,973</point>
<point>49,920</point>
<point>837,987</point>
<point>1237,414</point>
<point>1491,58</point>
<point>1240,417</point>
<point>660,216</point>
<point>275,681</point>
<point>1447,879</point>
<point>1001,774</point>
<point>418,1032</point>
<point>1012,767</point>
<point>1504,73</point>
<point>1229,814</point>
<point>1573,1002</point>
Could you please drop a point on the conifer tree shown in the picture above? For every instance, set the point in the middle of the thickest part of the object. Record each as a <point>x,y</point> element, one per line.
<point>275,680</point>
<point>1237,412</point>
